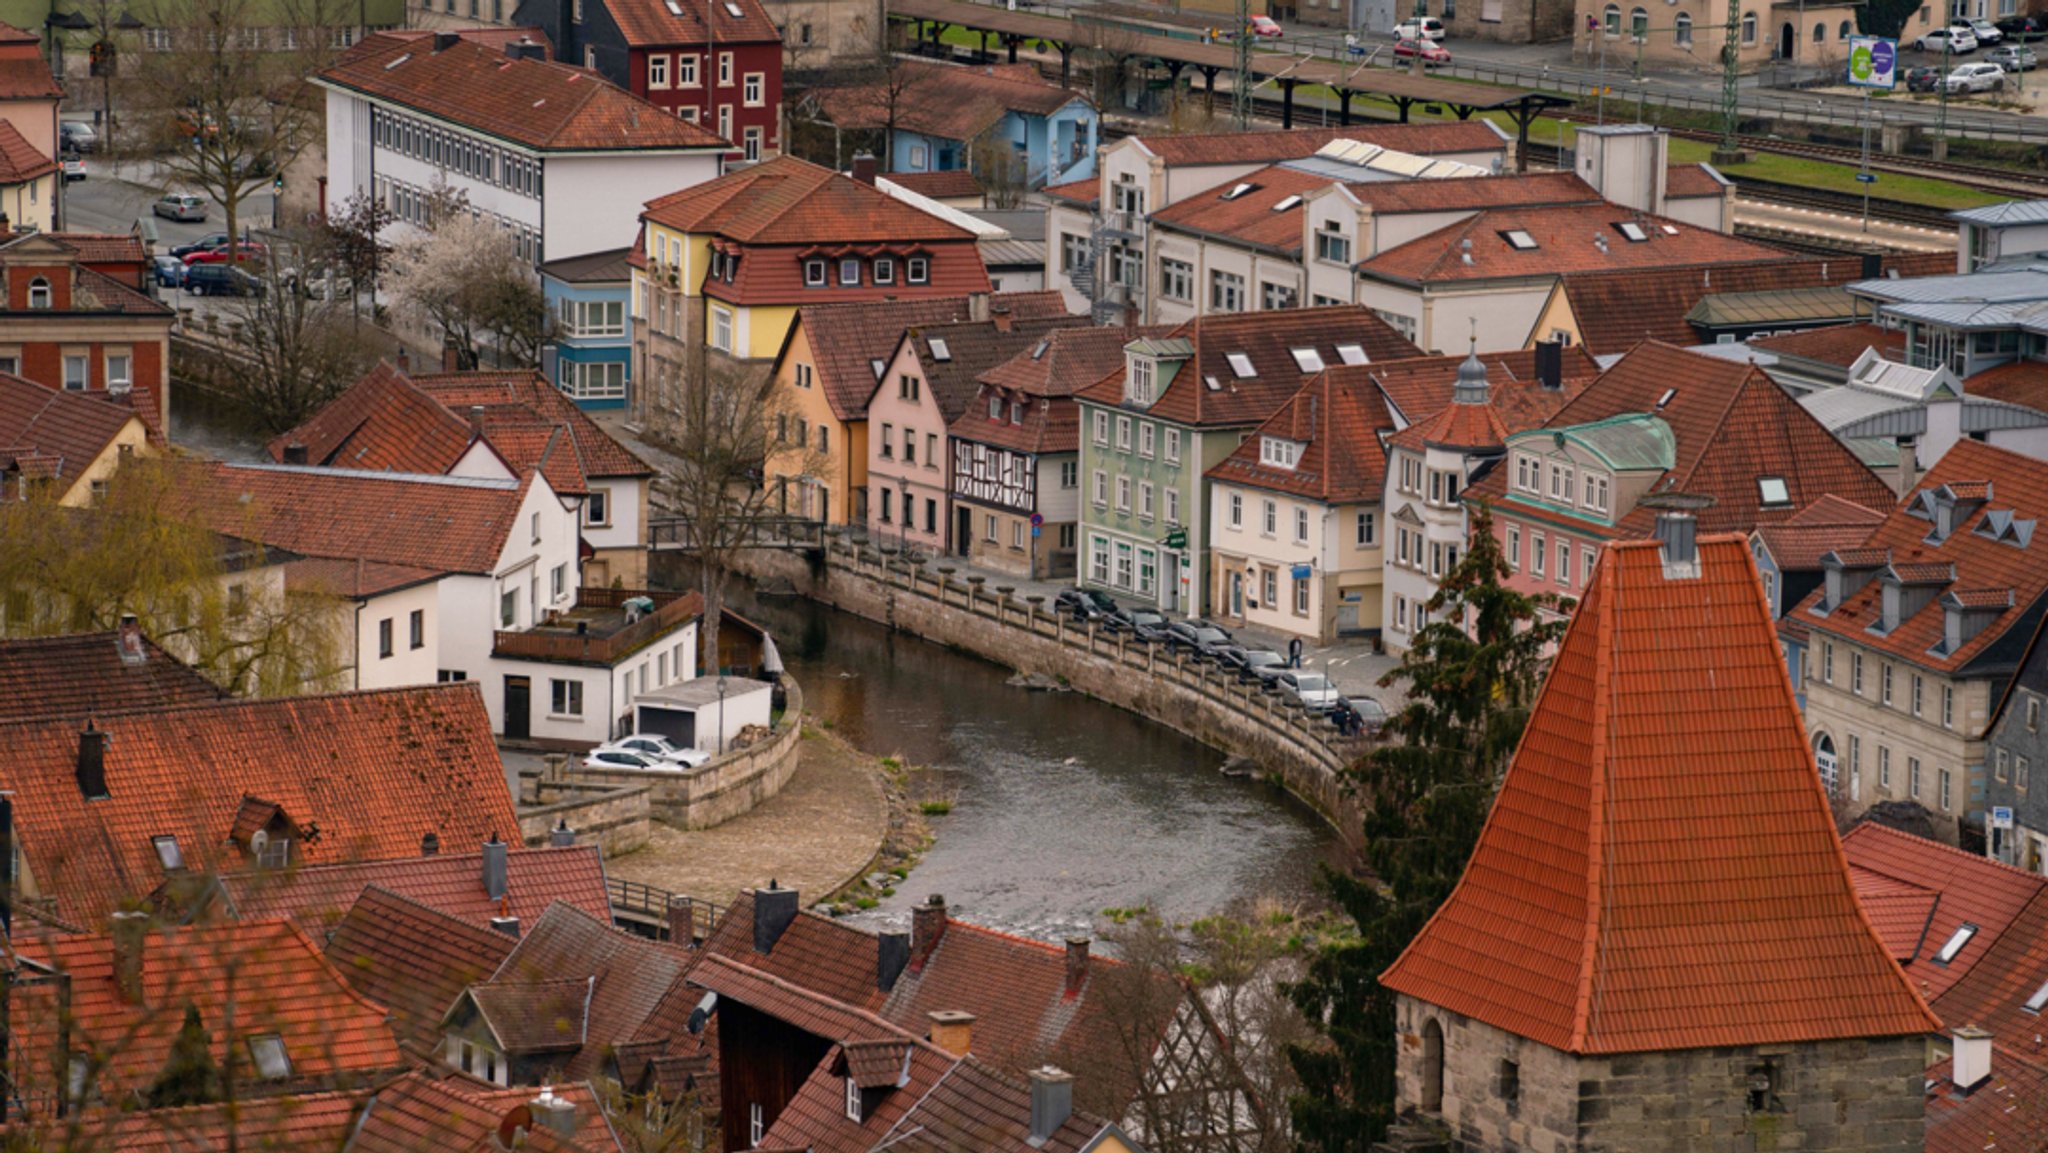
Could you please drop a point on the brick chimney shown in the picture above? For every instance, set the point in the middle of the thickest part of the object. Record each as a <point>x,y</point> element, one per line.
<point>451,359</point>
<point>927,925</point>
<point>864,168</point>
<point>1005,321</point>
<point>682,922</point>
<point>953,1031</point>
<point>1077,965</point>
<point>129,932</point>
<point>774,909</point>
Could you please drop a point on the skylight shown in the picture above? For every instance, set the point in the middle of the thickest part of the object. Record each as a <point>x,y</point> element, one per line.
<point>1307,359</point>
<point>397,62</point>
<point>167,853</point>
<point>674,9</point>
<point>1666,398</point>
<point>2039,1000</point>
<point>1214,384</point>
<point>1632,230</point>
<point>1671,230</point>
<point>1239,189</point>
<point>1773,490</point>
<point>1955,943</point>
<point>733,10</point>
<point>1352,353</point>
<point>1039,352</point>
<point>1240,364</point>
<point>1518,239</point>
<point>939,350</point>
<point>1286,202</point>
<point>267,1051</point>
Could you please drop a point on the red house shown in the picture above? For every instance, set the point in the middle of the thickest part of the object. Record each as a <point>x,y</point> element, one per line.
<point>72,317</point>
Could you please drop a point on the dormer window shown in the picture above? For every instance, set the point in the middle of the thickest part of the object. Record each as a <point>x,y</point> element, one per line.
<point>920,270</point>
<point>849,272</point>
<point>852,1099</point>
<point>1141,383</point>
<point>1279,453</point>
<point>39,293</point>
<point>995,406</point>
<point>814,274</point>
<point>885,270</point>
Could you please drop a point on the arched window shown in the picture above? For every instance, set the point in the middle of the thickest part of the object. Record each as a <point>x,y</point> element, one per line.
<point>1432,1067</point>
<point>1824,760</point>
<point>1842,33</point>
<point>39,293</point>
<point>1614,19</point>
<point>1684,30</point>
<point>1749,27</point>
<point>1639,24</point>
<point>1820,33</point>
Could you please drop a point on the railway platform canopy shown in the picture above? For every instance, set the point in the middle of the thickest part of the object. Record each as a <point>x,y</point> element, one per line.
<point>1349,81</point>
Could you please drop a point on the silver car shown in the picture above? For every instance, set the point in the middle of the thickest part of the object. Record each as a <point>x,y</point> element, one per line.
<point>180,206</point>
<point>2013,58</point>
<point>1314,690</point>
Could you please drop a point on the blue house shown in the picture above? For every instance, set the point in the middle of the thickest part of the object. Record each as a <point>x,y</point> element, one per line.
<point>592,353</point>
<point>940,111</point>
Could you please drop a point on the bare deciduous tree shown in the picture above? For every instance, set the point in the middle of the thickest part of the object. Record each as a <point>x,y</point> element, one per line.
<point>466,280</point>
<point>290,352</point>
<point>1001,169</point>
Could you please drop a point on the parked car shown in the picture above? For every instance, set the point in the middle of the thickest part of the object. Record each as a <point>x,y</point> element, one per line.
<point>1364,714</point>
<point>168,271</point>
<point>2024,27</point>
<point>1923,79</point>
<point>217,279</point>
<point>604,758</point>
<point>1956,38</point>
<point>1313,690</point>
<point>1266,27</point>
<point>73,165</point>
<point>1975,78</point>
<point>318,283</point>
<point>246,251</point>
<point>210,240</point>
<point>2013,58</point>
<point>1430,51</point>
<point>657,746</point>
<point>1261,665</point>
<point>1144,624</point>
<point>1985,31</point>
<point>1198,637</point>
<point>1420,28</point>
<point>78,136</point>
<point>1083,605</point>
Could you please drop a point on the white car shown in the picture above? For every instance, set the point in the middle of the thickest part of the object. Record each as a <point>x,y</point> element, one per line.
<point>656,746</point>
<point>1314,690</point>
<point>1984,30</point>
<point>1957,38</point>
<point>1975,78</point>
<point>603,758</point>
<point>1420,28</point>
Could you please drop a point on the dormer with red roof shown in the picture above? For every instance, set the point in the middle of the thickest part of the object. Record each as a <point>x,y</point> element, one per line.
<point>1657,928</point>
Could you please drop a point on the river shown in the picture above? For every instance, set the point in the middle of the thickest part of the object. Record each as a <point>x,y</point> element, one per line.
<point>1063,806</point>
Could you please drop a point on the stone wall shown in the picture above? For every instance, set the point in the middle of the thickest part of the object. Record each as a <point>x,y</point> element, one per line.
<point>1855,1096</point>
<point>617,817</point>
<point>1214,707</point>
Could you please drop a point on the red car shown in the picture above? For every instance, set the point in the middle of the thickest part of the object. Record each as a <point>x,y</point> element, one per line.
<point>1266,26</point>
<point>245,251</point>
<point>1430,51</point>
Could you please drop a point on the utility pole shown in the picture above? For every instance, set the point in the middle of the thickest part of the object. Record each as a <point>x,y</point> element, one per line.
<point>1241,70</point>
<point>1730,151</point>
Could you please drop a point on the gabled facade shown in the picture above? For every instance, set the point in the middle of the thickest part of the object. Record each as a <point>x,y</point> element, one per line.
<point>591,298</point>
<point>28,182</point>
<point>29,96</point>
<point>65,324</point>
<point>933,117</point>
<point>2018,743</point>
<point>63,446</point>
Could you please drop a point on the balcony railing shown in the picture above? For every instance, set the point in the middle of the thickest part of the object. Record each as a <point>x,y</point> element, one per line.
<point>560,642</point>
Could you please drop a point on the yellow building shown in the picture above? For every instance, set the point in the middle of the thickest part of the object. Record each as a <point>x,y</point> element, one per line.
<point>28,183</point>
<point>63,445</point>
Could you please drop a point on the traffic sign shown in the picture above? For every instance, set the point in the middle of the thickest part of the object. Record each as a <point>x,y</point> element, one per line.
<point>1036,529</point>
<point>1866,178</point>
<point>1037,519</point>
<point>2001,817</point>
<point>1873,62</point>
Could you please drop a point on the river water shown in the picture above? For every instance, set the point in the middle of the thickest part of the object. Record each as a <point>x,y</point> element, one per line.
<point>1063,806</point>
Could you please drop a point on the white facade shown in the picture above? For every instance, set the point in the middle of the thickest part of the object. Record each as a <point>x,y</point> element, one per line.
<point>600,707</point>
<point>1261,540</point>
<point>1425,533</point>
<point>397,637</point>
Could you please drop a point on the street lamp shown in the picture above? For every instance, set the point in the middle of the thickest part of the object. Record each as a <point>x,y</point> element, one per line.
<point>721,713</point>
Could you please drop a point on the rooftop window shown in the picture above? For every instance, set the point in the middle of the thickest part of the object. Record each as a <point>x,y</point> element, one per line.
<point>1307,359</point>
<point>1632,231</point>
<point>878,366</point>
<point>1669,394</point>
<point>1519,239</point>
<point>939,349</point>
<point>1240,364</point>
<point>1239,189</point>
<point>2039,1000</point>
<point>1351,353</point>
<point>1214,384</point>
<point>1773,490</point>
<point>167,853</point>
<point>1286,202</point>
<point>733,10</point>
<point>267,1051</point>
<point>1955,943</point>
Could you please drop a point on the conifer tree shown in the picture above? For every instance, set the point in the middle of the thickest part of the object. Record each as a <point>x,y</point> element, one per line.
<point>190,1075</point>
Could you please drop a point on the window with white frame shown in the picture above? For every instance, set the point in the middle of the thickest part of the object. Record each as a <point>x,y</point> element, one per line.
<point>686,71</point>
<point>1140,381</point>
<point>565,698</point>
<point>1172,505</point>
<point>1148,435</point>
<point>752,90</point>
<point>725,69</point>
<point>721,328</point>
<point>1301,526</point>
<point>657,70</point>
<point>1176,280</point>
<point>1237,510</point>
<point>1123,433</point>
<point>1368,530</point>
<point>1270,518</point>
<point>1173,446</point>
<point>1101,424</point>
<point>1145,492</point>
<point>1226,292</point>
<point>1279,453</point>
<point>1332,246</point>
<point>1123,494</point>
<point>1100,486</point>
<point>920,269</point>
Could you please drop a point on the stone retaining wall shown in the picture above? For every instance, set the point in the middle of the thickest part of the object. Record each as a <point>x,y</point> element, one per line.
<point>617,816</point>
<point>1192,696</point>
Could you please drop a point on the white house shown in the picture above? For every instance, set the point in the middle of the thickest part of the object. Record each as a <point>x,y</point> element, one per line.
<point>555,154</point>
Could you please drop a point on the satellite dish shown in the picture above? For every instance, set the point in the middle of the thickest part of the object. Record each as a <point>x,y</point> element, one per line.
<point>258,841</point>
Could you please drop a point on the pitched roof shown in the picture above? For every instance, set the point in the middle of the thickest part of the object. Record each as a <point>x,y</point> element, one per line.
<point>1974,558</point>
<point>318,895</point>
<point>1420,387</point>
<point>1562,243</point>
<point>27,77</point>
<point>538,104</point>
<point>1827,525</point>
<point>21,161</point>
<point>81,674</point>
<point>1733,425</point>
<point>944,101</point>
<point>791,201</point>
<point>413,959</point>
<point>952,184</point>
<point>295,1121</point>
<point>269,975</point>
<point>613,265</point>
<point>1837,344</point>
<point>1337,418</point>
<point>1967,889</point>
<point>972,347</point>
<point>375,771</point>
<point>1687,180</point>
<point>1045,377</point>
<point>654,23</point>
<point>846,339</point>
<point>511,398</point>
<point>2020,382</point>
<point>381,423</point>
<point>417,1112</point>
<point>2010,1111</point>
<point>71,429</point>
<point>1208,390</point>
<point>1591,918</point>
<point>444,524</point>
<point>1295,143</point>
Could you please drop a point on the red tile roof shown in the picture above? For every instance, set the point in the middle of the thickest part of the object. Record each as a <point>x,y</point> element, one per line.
<point>815,1013</point>
<point>26,76</point>
<point>1688,180</point>
<point>943,101</point>
<point>512,397</point>
<point>845,339</point>
<point>1267,340</point>
<point>1079,191</point>
<point>297,1121</point>
<point>1337,418</point>
<point>460,1115</point>
<point>83,674</point>
<point>2009,1112</point>
<point>2017,484</point>
<point>2021,382</point>
<point>972,348</point>
<point>1564,244</point>
<point>1967,888</point>
<point>1899,911</point>
<point>1420,387</point>
<point>1594,919</point>
<point>449,882</point>
<point>791,201</point>
<point>537,104</point>
<point>1045,377</point>
<point>1829,524</point>
<point>376,771</point>
<point>355,579</point>
<point>381,423</point>
<point>659,23</point>
<point>103,247</point>
<point>954,184</point>
<point>269,975</point>
<point>1838,344</point>
<point>413,959</point>
<point>20,161</point>
<point>70,430</point>
<point>1293,144</point>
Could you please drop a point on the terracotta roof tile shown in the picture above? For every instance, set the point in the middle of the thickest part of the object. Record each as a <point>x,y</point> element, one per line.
<point>83,674</point>
<point>2009,1112</point>
<point>815,1118</point>
<point>383,424</point>
<point>1590,918</point>
<point>1293,144</point>
<point>954,184</point>
<point>1045,378</point>
<point>1420,387</point>
<point>317,896</point>
<point>944,101</point>
<point>823,955</point>
<point>791,201</point>
<point>1266,340</point>
<point>1078,191</point>
<point>1899,911</point>
<point>374,770</point>
<point>786,1001</point>
<point>1969,889</point>
<point>1829,524</point>
<point>846,339</point>
<point>538,104</point>
<point>2020,382</point>
<point>460,1115</point>
<point>1980,563</point>
<point>296,1121</point>
<point>20,161</point>
<point>972,348</point>
<point>71,429</point>
<point>355,579</point>
<point>1838,344</point>
<point>1563,244</point>
<point>28,77</point>
<point>103,247</point>
<point>413,959</point>
<point>1337,418</point>
<point>525,397</point>
<point>658,23</point>
<point>1688,180</point>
